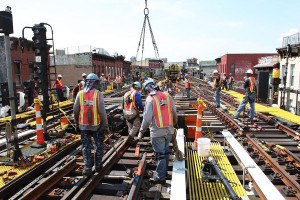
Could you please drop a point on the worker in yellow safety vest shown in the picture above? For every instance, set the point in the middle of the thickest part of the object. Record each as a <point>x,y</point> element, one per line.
<point>91,120</point>
<point>160,116</point>
<point>250,95</point>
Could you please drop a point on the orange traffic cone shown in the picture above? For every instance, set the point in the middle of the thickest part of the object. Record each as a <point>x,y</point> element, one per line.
<point>198,134</point>
<point>39,127</point>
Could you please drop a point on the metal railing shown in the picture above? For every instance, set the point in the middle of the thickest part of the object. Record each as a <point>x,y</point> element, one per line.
<point>292,40</point>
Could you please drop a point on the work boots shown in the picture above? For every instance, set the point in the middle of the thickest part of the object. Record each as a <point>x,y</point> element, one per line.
<point>87,173</point>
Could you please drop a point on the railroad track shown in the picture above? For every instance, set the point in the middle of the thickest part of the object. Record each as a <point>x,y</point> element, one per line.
<point>271,144</point>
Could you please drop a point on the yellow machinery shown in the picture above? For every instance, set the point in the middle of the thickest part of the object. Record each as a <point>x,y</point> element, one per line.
<point>174,72</point>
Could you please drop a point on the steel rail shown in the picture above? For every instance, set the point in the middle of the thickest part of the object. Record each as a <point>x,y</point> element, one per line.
<point>88,188</point>
<point>288,180</point>
<point>50,181</point>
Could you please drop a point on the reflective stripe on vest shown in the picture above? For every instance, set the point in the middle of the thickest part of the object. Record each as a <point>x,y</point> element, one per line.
<point>188,85</point>
<point>252,84</point>
<point>131,105</point>
<point>162,109</point>
<point>86,100</point>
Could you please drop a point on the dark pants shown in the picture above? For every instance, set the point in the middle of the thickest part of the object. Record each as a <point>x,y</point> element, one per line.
<point>86,136</point>
<point>60,94</point>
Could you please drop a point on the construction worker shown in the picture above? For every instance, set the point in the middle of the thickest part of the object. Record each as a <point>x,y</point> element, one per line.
<point>84,76</point>
<point>102,82</point>
<point>211,77</point>
<point>132,105</point>
<point>58,87</point>
<point>217,87</point>
<point>224,82</point>
<point>231,81</point>
<point>250,95</point>
<point>91,119</point>
<point>77,89</point>
<point>160,115</point>
<point>188,86</point>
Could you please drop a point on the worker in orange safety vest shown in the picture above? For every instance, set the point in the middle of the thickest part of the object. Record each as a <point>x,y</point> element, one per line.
<point>91,121</point>
<point>160,115</point>
<point>58,87</point>
<point>188,86</point>
<point>250,95</point>
<point>132,105</point>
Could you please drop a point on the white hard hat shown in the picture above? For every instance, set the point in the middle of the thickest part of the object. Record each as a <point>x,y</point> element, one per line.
<point>249,71</point>
<point>59,76</point>
<point>215,71</point>
<point>83,74</point>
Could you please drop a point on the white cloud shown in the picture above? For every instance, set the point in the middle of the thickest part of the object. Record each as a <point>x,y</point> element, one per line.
<point>288,33</point>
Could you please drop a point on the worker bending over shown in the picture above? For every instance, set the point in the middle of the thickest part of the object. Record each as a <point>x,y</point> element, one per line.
<point>217,87</point>
<point>160,116</point>
<point>250,95</point>
<point>132,105</point>
<point>90,117</point>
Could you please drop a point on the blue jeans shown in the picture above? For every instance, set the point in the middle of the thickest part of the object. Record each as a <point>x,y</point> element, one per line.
<point>251,99</point>
<point>162,149</point>
<point>217,96</point>
<point>188,93</point>
<point>60,94</point>
<point>86,136</point>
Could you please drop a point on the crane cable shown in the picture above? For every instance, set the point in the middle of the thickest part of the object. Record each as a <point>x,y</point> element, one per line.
<point>142,36</point>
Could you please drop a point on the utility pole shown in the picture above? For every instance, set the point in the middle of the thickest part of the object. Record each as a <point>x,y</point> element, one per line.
<point>282,102</point>
<point>7,28</point>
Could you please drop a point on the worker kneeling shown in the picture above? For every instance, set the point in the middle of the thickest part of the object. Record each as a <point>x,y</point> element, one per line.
<point>132,104</point>
<point>160,115</point>
<point>90,117</point>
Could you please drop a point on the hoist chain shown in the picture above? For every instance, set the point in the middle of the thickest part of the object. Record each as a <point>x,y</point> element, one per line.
<point>142,36</point>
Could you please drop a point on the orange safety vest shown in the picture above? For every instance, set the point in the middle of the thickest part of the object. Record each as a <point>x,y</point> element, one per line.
<point>252,84</point>
<point>230,79</point>
<point>60,85</point>
<point>217,84</point>
<point>188,85</point>
<point>131,105</point>
<point>162,109</point>
<point>88,101</point>
<point>224,78</point>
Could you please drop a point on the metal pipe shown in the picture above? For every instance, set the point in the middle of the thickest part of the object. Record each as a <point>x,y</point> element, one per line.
<point>17,151</point>
<point>297,110</point>
<point>224,180</point>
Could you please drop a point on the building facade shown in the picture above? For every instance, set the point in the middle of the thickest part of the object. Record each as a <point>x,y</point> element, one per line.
<point>90,63</point>
<point>151,67</point>
<point>22,62</point>
<point>290,63</point>
<point>238,64</point>
<point>207,67</point>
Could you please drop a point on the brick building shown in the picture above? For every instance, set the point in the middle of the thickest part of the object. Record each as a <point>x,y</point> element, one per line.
<point>71,66</point>
<point>22,62</point>
<point>237,64</point>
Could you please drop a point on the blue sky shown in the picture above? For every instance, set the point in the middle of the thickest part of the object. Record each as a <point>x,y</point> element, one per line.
<point>182,28</point>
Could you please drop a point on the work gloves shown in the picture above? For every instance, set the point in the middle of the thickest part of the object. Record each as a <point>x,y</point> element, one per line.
<point>140,136</point>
